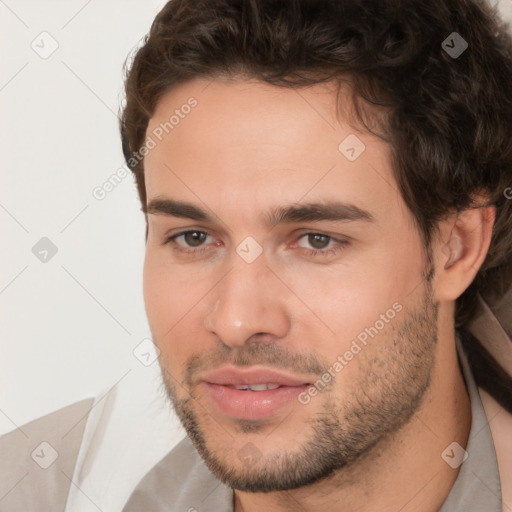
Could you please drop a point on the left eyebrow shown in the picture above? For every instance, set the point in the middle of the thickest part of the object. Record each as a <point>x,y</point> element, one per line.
<point>314,212</point>
<point>305,212</point>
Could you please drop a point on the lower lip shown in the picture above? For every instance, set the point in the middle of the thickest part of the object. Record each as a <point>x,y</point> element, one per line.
<point>253,405</point>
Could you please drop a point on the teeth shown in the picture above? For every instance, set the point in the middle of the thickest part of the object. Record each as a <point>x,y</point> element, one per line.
<point>255,387</point>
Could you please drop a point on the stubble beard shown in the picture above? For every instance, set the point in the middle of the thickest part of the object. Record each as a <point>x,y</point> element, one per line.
<point>394,375</point>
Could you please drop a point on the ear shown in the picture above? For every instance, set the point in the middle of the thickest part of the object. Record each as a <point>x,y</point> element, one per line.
<point>461,249</point>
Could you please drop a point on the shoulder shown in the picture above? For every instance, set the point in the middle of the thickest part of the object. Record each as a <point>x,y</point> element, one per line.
<point>182,479</point>
<point>500,423</point>
<point>38,459</point>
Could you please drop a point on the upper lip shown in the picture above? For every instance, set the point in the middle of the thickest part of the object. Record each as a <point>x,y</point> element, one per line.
<point>235,376</point>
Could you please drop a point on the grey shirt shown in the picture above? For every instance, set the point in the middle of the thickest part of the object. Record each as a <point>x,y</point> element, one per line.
<point>181,482</point>
<point>477,487</point>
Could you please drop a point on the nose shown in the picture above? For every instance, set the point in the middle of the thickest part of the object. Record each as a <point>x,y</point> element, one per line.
<point>249,300</point>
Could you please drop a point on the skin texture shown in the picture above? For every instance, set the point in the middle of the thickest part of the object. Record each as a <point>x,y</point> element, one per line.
<point>372,439</point>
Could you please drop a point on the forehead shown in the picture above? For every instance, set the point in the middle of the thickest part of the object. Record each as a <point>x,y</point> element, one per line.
<point>247,142</point>
<point>233,98</point>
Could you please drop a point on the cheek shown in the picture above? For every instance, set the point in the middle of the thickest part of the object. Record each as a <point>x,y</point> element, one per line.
<point>339,306</point>
<point>158,301</point>
<point>172,305</point>
<point>343,301</point>
<point>169,289</point>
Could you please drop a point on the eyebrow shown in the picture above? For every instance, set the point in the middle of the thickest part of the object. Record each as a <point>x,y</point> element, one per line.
<point>301,212</point>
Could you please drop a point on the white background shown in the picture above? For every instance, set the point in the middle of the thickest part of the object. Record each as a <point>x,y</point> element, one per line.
<point>70,325</point>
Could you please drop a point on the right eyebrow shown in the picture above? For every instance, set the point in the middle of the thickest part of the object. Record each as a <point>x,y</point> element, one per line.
<point>174,208</point>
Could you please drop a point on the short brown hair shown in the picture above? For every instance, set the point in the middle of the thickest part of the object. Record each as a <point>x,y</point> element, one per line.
<point>448,118</point>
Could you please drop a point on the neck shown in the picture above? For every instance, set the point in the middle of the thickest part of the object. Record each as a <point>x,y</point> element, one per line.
<point>402,472</point>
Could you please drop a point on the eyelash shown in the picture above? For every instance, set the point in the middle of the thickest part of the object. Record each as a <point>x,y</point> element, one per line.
<point>310,252</point>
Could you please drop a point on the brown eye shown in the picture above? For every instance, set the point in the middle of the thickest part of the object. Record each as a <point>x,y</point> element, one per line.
<point>318,241</point>
<point>194,238</point>
<point>321,245</point>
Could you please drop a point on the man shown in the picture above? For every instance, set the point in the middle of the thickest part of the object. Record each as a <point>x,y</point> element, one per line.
<point>325,189</point>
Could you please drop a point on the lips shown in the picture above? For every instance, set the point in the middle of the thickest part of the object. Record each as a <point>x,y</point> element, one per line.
<point>232,376</point>
<point>252,393</point>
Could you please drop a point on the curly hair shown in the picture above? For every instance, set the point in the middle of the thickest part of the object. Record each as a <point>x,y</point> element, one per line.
<point>447,118</point>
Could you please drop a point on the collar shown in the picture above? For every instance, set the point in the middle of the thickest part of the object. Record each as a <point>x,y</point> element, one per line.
<point>477,486</point>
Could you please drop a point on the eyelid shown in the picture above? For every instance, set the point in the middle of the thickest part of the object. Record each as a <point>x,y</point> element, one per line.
<point>335,237</point>
<point>176,232</point>
<point>303,232</point>
<point>171,238</point>
<point>336,244</point>
<point>308,233</point>
<point>340,241</point>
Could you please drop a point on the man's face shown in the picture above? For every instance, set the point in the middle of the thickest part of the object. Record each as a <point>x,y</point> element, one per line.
<point>270,287</point>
